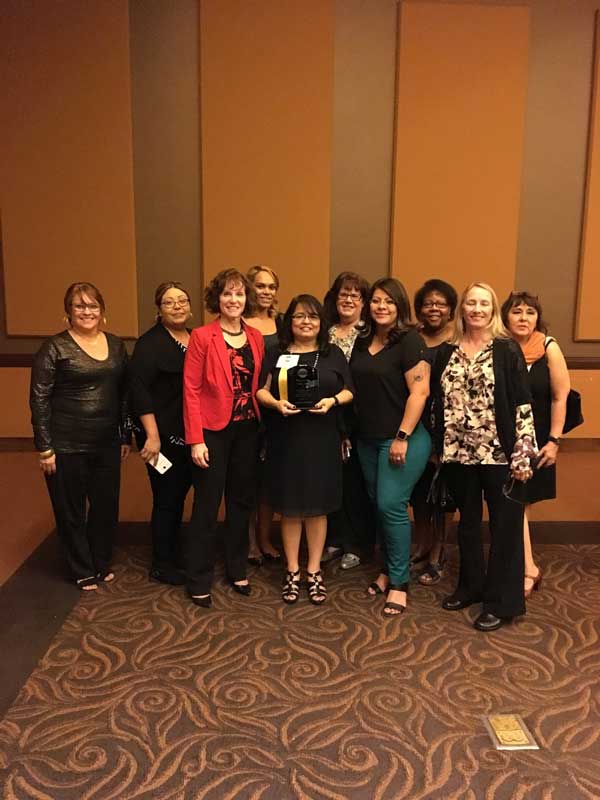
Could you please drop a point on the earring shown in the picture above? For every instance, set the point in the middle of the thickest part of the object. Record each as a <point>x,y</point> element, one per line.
<point>67,320</point>
<point>104,320</point>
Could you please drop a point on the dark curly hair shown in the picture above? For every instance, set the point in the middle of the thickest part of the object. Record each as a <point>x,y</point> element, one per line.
<point>311,304</point>
<point>349,280</point>
<point>527,299</point>
<point>441,287</point>
<point>217,286</point>
<point>397,292</point>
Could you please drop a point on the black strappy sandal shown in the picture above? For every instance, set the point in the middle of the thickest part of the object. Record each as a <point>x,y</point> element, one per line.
<point>291,587</point>
<point>317,593</point>
<point>390,607</point>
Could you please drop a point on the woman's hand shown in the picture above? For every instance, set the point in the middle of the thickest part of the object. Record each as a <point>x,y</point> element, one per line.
<point>323,406</point>
<point>548,455</point>
<point>346,450</point>
<point>286,408</point>
<point>125,450</point>
<point>48,465</point>
<point>150,450</point>
<point>200,455</point>
<point>398,450</point>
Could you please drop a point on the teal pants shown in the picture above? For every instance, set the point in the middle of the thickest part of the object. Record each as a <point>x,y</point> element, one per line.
<point>390,487</point>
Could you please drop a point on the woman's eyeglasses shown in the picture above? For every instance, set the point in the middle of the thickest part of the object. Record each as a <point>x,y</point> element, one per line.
<point>181,301</point>
<point>300,317</point>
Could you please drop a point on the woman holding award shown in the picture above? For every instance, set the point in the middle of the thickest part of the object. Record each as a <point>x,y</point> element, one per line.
<point>303,382</point>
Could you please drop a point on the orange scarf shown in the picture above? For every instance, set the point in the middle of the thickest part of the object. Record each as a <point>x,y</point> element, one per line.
<point>534,349</point>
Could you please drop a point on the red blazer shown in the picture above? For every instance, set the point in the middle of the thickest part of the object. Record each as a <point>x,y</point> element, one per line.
<point>208,383</point>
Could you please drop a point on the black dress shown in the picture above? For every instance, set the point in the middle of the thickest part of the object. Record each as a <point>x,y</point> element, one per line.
<point>542,486</point>
<point>304,460</point>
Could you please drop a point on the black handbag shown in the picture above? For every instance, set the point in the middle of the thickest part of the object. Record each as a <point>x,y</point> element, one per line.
<point>574,416</point>
<point>439,495</point>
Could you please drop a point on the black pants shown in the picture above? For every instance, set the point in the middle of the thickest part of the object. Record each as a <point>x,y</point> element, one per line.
<point>352,527</point>
<point>84,493</point>
<point>232,471</point>
<point>169,491</point>
<point>501,586</point>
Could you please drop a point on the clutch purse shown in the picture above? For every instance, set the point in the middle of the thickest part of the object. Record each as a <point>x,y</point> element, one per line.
<point>574,416</point>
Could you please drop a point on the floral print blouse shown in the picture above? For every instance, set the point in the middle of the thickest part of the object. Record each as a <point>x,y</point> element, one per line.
<point>470,433</point>
<point>345,343</point>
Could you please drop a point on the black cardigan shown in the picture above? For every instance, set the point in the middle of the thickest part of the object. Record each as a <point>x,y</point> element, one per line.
<point>156,383</point>
<point>511,389</point>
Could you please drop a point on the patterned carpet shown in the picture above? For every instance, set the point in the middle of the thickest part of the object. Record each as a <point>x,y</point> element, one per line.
<point>142,695</point>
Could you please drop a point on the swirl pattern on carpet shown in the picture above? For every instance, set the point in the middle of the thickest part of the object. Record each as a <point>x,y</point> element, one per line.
<point>143,695</point>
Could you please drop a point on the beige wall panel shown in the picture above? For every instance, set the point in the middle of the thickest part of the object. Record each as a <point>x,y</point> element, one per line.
<point>15,419</point>
<point>267,91</point>
<point>363,136</point>
<point>554,164</point>
<point>587,319</point>
<point>65,160</point>
<point>166,154</point>
<point>461,91</point>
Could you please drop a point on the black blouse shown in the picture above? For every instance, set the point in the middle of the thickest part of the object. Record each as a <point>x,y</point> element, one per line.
<point>78,403</point>
<point>156,381</point>
<point>381,389</point>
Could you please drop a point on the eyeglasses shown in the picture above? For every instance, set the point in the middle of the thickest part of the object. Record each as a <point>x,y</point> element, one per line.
<point>81,307</point>
<point>181,301</point>
<point>300,317</point>
<point>435,304</point>
<point>354,296</point>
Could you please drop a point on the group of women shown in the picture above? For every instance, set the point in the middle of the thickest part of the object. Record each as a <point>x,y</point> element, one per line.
<point>319,414</point>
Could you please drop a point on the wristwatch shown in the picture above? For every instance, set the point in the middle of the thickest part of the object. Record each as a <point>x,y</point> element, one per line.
<point>402,435</point>
<point>554,439</point>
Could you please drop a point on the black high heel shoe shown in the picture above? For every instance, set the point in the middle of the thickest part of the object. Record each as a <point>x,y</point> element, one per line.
<point>392,609</point>
<point>204,601</point>
<point>241,588</point>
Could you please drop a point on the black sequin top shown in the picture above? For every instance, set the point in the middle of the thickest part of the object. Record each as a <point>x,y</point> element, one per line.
<point>78,403</point>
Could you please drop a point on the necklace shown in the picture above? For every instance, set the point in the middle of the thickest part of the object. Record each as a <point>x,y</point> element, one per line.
<point>230,333</point>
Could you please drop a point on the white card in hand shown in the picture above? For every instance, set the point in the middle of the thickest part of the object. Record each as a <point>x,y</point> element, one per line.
<point>287,360</point>
<point>162,464</point>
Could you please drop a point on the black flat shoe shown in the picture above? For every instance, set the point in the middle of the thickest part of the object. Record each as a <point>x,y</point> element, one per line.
<point>169,576</point>
<point>241,588</point>
<point>454,603</point>
<point>490,622</point>
<point>204,601</point>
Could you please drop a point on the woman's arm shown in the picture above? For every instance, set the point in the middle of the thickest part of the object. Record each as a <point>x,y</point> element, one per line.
<point>43,378</point>
<point>417,381</point>
<point>144,371</point>
<point>560,385</point>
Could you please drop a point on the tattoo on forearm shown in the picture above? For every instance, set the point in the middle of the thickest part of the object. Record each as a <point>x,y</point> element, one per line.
<point>418,377</point>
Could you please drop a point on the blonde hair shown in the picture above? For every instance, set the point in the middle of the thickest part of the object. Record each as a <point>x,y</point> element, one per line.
<point>495,326</point>
<point>251,275</point>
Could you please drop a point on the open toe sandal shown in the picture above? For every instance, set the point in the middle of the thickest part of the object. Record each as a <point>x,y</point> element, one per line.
<point>392,609</point>
<point>317,593</point>
<point>87,584</point>
<point>432,574</point>
<point>291,587</point>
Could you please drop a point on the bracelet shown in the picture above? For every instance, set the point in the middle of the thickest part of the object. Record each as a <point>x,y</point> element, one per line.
<point>336,400</point>
<point>554,439</point>
<point>46,454</point>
